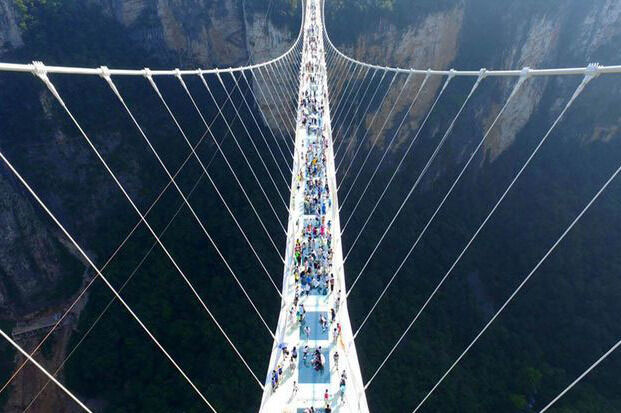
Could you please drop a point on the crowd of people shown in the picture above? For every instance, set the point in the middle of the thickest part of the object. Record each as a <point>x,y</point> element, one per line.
<point>312,266</point>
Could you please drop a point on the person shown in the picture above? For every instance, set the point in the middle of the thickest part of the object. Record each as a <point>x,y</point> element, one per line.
<point>295,388</point>
<point>305,353</point>
<point>328,409</point>
<point>333,315</point>
<point>326,396</point>
<point>294,353</point>
<point>285,350</point>
<point>274,379</point>
<point>336,360</point>
<point>335,334</point>
<point>318,361</point>
<point>342,388</point>
<point>307,331</point>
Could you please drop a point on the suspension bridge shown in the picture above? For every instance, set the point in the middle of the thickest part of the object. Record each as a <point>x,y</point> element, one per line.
<point>313,362</point>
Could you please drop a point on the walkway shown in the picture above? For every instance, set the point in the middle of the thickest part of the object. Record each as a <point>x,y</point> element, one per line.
<point>314,284</point>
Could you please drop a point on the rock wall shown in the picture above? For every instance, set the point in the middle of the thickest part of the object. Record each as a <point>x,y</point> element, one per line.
<point>200,33</point>
<point>537,37</point>
<point>10,36</point>
<point>35,261</point>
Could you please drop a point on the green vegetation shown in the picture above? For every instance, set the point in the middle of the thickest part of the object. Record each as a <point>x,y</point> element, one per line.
<point>563,320</point>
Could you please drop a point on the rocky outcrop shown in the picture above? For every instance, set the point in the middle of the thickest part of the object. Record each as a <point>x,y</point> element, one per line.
<point>599,28</point>
<point>10,35</point>
<point>537,39</point>
<point>27,273</point>
<point>538,47</point>
<point>431,44</point>
<point>201,33</point>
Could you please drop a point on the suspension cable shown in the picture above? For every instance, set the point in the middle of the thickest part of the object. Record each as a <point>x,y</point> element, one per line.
<point>269,174</point>
<point>269,106</point>
<point>285,159</point>
<point>44,371</point>
<point>366,110</point>
<point>281,104</point>
<point>420,128</point>
<point>355,133</point>
<point>587,78</point>
<point>342,90</point>
<point>336,68</point>
<point>517,86</point>
<point>131,275</point>
<point>388,116</point>
<point>241,150</point>
<point>42,74</point>
<point>285,121</point>
<point>113,299</point>
<point>354,99</point>
<point>288,95</point>
<point>353,117</point>
<point>256,122</point>
<point>394,136</point>
<point>282,74</point>
<point>576,93</point>
<point>116,251</point>
<point>344,102</point>
<point>342,83</point>
<point>422,173</point>
<point>580,377</point>
<point>204,168</point>
<point>200,113</point>
<point>290,86</point>
<point>114,89</point>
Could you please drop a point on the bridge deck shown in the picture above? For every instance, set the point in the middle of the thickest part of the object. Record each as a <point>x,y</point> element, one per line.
<point>311,382</point>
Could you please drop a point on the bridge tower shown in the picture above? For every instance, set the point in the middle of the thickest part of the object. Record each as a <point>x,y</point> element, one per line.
<point>313,257</point>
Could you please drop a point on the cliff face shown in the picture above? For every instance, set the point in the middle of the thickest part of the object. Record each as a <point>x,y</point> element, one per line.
<point>39,273</point>
<point>201,32</point>
<point>575,160</point>
<point>195,33</point>
<point>36,267</point>
<point>10,36</point>
<point>24,276</point>
<point>517,35</point>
